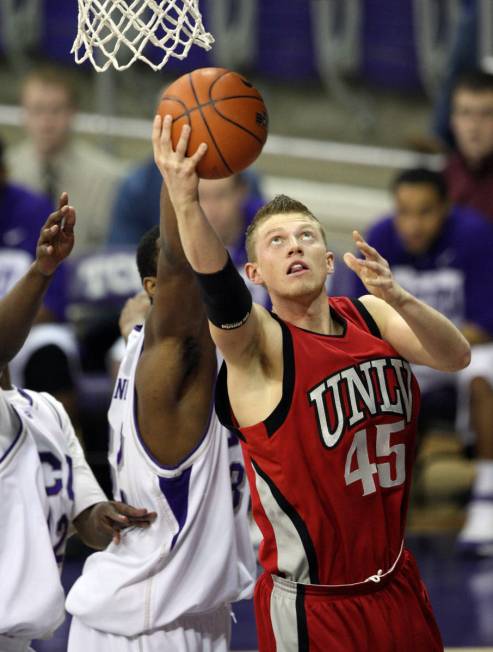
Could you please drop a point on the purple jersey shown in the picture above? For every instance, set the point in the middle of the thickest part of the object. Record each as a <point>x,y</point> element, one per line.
<point>454,275</point>
<point>22,215</point>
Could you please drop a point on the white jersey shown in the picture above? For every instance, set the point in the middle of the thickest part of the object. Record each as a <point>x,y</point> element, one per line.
<point>196,556</point>
<point>45,482</point>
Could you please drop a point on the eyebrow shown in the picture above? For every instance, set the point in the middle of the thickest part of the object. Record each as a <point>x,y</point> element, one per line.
<point>304,225</point>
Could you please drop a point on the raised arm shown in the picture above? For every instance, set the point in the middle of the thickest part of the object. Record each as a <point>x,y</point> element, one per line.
<point>235,324</point>
<point>418,332</point>
<point>19,307</point>
<point>175,280</point>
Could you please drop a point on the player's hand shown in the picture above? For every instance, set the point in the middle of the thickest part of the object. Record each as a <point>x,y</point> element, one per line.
<point>56,239</point>
<point>111,517</point>
<point>374,272</point>
<point>179,170</point>
<point>134,312</point>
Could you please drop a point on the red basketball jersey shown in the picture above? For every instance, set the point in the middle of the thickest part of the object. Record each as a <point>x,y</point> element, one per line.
<point>330,468</point>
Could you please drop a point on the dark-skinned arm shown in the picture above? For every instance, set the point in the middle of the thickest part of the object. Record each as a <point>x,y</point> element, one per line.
<point>175,278</point>
<point>19,307</point>
<point>103,522</point>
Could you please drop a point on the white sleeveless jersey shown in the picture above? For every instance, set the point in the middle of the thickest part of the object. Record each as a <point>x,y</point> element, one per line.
<point>31,597</point>
<point>45,482</point>
<point>69,483</point>
<point>196,556</point>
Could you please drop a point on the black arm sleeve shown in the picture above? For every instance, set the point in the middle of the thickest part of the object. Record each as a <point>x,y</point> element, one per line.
<point>227,299</point>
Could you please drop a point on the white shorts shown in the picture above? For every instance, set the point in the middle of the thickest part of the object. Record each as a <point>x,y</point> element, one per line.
<point>209,632</point>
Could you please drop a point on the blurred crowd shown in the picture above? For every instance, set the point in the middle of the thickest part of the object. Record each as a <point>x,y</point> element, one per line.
<point>438,241</point>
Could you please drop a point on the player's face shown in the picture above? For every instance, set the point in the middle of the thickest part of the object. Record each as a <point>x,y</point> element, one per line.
<point>221,201</point>
<point>292,258</point>
<point>48,115</point>
<point>420,214</point>
<point>472,123</point>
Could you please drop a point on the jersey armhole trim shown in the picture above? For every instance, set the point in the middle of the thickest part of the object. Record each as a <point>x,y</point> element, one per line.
<point>223,406</point>
<point>365,314</point>
<point>186,460</point>
<point>277,417</point>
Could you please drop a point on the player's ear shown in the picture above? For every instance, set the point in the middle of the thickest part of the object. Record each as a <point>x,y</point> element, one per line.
<point>149,284</point>
<point>253,273</point>
<point>329,257</point>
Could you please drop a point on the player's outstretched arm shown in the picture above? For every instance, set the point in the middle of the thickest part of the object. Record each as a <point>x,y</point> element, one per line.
<point>19,307</point>
<point>235,322</point>
<point>417,331</point>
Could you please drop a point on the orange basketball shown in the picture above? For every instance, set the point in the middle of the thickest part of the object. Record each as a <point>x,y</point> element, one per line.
<point>223,110</point>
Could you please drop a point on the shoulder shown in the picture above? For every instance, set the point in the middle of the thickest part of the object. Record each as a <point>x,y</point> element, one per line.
<point>357,311</point>
<point>51,408</point>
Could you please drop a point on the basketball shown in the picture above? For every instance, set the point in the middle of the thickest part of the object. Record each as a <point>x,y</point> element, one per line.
<point>223,110</point>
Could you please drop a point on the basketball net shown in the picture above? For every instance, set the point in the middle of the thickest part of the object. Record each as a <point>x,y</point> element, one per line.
<point>117,32</point>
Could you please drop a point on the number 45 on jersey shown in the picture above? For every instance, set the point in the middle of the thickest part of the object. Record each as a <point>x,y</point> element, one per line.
<point>360,469</point>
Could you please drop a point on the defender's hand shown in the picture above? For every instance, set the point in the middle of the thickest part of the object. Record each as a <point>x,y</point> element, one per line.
<point>374,272</point>
<point>178,170</point>
<point>111,517</point>
<point>56,239</point>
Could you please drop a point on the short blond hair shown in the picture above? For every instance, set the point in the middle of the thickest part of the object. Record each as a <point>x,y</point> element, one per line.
<point>280,205</point>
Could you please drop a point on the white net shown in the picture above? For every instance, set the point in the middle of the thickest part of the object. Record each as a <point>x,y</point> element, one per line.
<point>119,32</point>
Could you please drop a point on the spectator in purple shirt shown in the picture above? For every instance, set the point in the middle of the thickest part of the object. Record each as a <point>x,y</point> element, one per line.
<point>46,363</point>
<point>442,253</point>
<point>469,170</point>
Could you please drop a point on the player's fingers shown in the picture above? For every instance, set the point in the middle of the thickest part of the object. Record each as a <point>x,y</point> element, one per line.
<point>150,517</point>
<point>128,510</point>
<point>352,262</point>
<point>117,537</point>
<point>63,200</point>
<point>47,235</point>
<point>69,219</point>
<point>54,218</point>
<point>377,282</point>
<point>182,144</point>
<point>368,250</point>
<point>141,524</point>
<point>376,266</point>
<point>199,154</point>
<point>157,125</point>
<point>45,250</point>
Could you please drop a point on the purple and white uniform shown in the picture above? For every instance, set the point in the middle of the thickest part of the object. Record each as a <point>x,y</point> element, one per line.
<point>170,584</point>
<point>45,483</point>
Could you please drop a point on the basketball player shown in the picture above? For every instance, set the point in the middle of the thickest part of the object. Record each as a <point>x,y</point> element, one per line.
<point>324,401</point>
<point>168,588</point>
<point>45,482</point>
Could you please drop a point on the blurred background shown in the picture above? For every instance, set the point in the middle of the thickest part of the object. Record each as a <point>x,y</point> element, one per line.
<point>359,93</point>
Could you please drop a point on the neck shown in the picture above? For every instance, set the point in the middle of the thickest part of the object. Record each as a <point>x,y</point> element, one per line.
<point>312,314</point>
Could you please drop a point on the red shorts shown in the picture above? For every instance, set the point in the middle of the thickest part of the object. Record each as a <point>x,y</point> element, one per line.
<point>393,615</point>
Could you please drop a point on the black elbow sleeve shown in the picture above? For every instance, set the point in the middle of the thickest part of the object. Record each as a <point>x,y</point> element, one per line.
<point>227,299</point>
